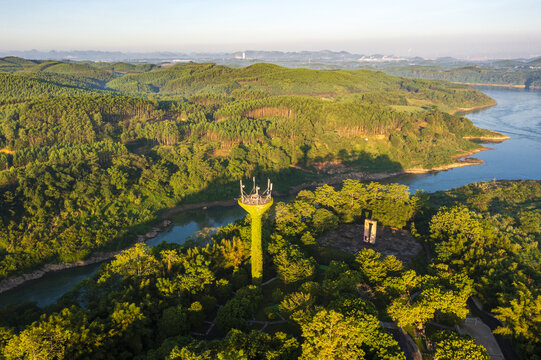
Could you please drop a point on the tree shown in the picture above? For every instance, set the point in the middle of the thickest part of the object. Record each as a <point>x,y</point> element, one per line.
<point>235,312</point>
<point>291,263</point>
<point>64,335</point>
<point>173,322</point>
<point>451,346</point>
<point>197,275</point>
<point>233,252</point>
<point>324,220</point>
<point>375,269</point>
<point>332,335</point>
<point>135,262</point>
<point>430,302</point>
<point>170,258</point>
<point>522,319</point>
<point>260,345</point>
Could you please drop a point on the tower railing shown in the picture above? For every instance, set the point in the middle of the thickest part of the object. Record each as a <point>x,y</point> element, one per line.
<point>255,197</point>
<point>256,203</point>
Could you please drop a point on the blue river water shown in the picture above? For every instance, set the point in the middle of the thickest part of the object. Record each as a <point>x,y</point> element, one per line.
<point>517,114</point>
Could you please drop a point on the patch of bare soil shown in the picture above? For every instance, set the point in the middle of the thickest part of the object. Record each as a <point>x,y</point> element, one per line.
<point>349,238</point>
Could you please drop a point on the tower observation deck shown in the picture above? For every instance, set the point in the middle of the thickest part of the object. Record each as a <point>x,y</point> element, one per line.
<point>256,203</point>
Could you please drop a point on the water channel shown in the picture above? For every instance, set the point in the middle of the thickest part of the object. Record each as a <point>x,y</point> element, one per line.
<point>517,114</point>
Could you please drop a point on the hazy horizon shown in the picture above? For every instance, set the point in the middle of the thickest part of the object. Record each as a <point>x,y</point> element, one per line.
<point>461,29</point>
<point>26,53</point>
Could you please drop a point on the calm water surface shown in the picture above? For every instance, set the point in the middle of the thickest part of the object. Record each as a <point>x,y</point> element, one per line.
<point>518,115</point>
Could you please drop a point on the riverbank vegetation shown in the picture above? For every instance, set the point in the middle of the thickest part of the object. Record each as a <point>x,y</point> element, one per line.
<point>91,152</point>
<point>194,301</point>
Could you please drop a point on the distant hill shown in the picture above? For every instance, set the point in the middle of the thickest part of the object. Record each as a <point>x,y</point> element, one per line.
<point>535,62</point>
<point>500,73</point>
<point>192,79</point>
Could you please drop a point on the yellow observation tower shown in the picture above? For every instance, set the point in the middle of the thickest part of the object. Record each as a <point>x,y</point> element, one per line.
<point>256,203</point>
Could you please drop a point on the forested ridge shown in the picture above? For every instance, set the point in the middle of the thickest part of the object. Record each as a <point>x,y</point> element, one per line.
<point>527,76</point>
<point>92,151</point>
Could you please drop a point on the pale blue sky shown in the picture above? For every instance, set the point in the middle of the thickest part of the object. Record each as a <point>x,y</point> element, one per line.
<point>464,28</point>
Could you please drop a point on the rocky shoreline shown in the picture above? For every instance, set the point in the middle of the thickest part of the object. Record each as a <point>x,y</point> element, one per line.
<point>17,280</point>
<point>464,111</point>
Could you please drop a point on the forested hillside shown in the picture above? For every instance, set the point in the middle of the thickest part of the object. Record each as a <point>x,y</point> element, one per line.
<point>508,75</point>
<point>491,233</point>
<point>195,302</point>
<point>90,152</point>
<point>317,301</point>
<point>192,79</point>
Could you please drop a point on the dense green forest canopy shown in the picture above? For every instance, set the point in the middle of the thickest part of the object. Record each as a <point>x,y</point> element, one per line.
<point>316,302</point>
<point>491,232</point>
<point>321,304</point>
<point>90,152</point>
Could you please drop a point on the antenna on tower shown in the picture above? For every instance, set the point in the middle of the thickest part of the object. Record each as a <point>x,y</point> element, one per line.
<point>255,197</point>
<point>256,203</point>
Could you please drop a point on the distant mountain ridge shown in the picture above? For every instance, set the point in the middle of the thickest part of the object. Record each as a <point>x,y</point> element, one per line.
<point>247,55</point>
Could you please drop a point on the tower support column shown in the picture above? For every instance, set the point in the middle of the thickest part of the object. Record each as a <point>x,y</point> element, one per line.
<point>257,250</point>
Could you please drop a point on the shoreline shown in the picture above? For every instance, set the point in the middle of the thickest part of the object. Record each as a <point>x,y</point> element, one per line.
<point>515,86</point>
<point>491,139</point>
<point>464,111</point>
<point>17,280</point>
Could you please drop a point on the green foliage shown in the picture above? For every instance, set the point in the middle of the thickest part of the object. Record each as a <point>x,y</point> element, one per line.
<point>266,79</point>
<point>292,265</point>
<point>86,167</point>
<point>324,220</point>
<point>147,302</point>
<point>495,244</point>
<point>132,263</point>
<point>441,296</point>
<point>173,322</point>
<point>514,75</point>
<point>60,336</point>
<point>450,346</point>
<point>332,335</point>
<point>297,301</point>
<point>235,312</point>
<point>522,319</point>
<point>373,268</point>
<point>259,345</point>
